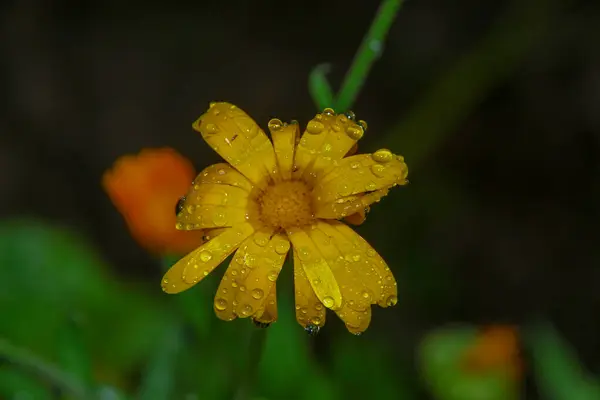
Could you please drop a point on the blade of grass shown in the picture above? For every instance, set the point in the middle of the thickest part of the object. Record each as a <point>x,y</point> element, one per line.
<point>369,51</point>
<point>43,369</point>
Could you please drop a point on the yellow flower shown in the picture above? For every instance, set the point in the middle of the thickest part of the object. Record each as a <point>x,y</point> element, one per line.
<point>145,189</point>
<point>290,190</point>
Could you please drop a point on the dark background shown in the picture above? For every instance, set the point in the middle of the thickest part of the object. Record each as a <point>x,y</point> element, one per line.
<point>493,104</point>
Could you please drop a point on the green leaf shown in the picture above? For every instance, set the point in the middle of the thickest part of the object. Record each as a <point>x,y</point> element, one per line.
<point>364,369</point>
<point>158,380</point>
<point>556,368</point>
<point>15,384</point>
<point>285,363</point>
<point>50,275</point>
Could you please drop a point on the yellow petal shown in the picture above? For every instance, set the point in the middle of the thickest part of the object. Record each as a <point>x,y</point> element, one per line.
<point>239,140</point>
<point>349,205</point>
<point>368,174</point>
<point>267,313</point>
<point>199,263</point>
<point>285,138</point>
<point>223,174</point>
<point>328,137</point>
<point>357,279</point>
<point>358,217</point>
<point>316,268</point>
<point>356,321</point>
<point>309,310</point>
<point>258,263</point>
<point>365,262</point>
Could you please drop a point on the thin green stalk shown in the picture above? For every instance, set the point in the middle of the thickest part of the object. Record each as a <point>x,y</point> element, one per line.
<point>45,370</point>
<point>370,49</point>
<point>319,87</point>
<point>256,345</point>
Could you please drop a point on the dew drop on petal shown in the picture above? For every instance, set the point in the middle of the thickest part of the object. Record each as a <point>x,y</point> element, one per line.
<point>247,309</point>
<point>392,300</point>
<point>315,127</point>
<point>383,156</point>
<point>219,219</point>
<point>329,112</point>
<point>211,129</point>
<point>275,124</point>
<point>205,256</point>
<point>258,294</point>
<point>328,302</point>
<point>272,276</point>
<point>378,170</point>
<point>282,247</point>
<point>220,304</point>
<point>303,254</point>
<point>242,288</point>
<point>354,132</point>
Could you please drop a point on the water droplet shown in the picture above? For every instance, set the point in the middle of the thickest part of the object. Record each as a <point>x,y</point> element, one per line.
<point>336,127</point>
<point>315,127</point>
<point>356,257</point>
<point>272,276</point>
<point>211,129</point>
<point>219,219</point>
<point>350,115</point>
<point>191,208</point>
<point>363,125</point>
<point>316,321</point>
<point>391,301</point>
<point>383,156</point>
<point>378,170</point>
<point>221,171</point>
<point>328,302</point>
<point>242,288</point>
<point>205,256</point>
<point>376,47</point>
<point>355,165</point>
<point>344,189</point>
<point>220,304</point>
<point>275,124</point>
<point>234,272</point>
<point>318,306</point>
<point>165,281</point>
<point>366,295</point>
<point>355,132</point>
<point>312,330</point>
<point>179,205</point>
<point>258,294</point>
<point>370,186</point>
<point>234,284</point>
<point>247,309</point>
<point>260,324</point>
<point>329,112</point>
<point>179,226</point>
<point>261,240</point>
<point>189,227</point>
<point>303,254</point>
<point>282,247</point>
<point>371,252</point>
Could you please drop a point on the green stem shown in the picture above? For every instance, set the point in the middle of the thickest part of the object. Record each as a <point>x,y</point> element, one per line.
<point>319,87</point>
<point>256,345</point>
<point>45,370</point>
<point>370,49</point>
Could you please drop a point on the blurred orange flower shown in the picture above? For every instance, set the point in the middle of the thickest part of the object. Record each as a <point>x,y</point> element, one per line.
<point>145,188</point>
<point>495,348</point>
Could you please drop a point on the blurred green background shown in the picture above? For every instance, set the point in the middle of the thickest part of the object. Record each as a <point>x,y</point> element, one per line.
<point>493,104</point>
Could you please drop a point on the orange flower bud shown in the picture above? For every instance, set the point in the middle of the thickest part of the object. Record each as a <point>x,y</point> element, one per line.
<point>145,188</point>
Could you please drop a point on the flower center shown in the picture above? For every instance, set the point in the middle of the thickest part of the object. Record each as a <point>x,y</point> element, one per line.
<point>286,204</point>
